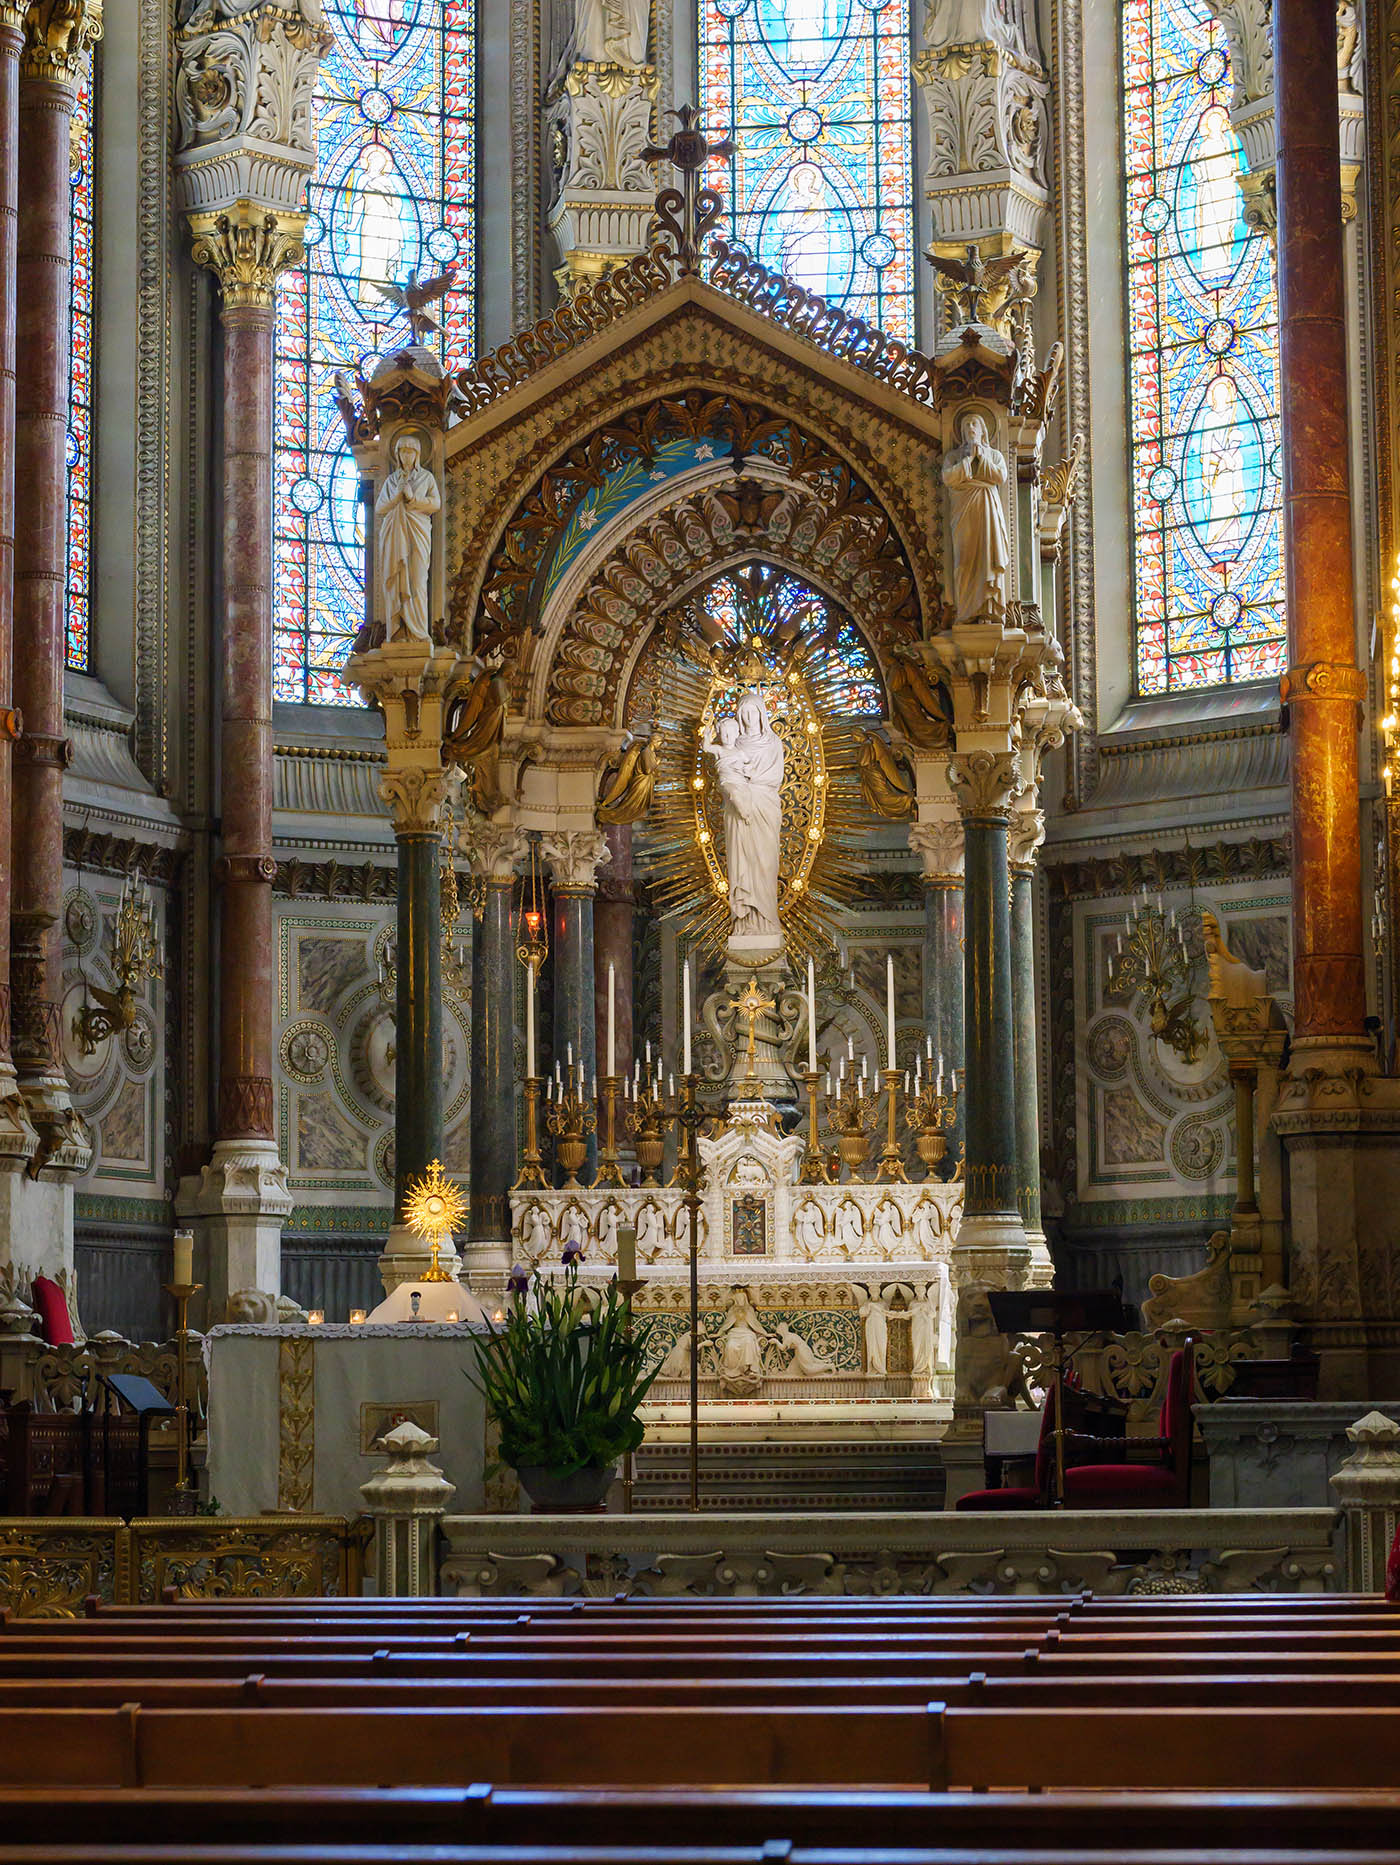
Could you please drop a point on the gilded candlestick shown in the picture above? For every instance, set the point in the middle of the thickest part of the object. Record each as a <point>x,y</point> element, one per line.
<point>532,1163</point>
<point>609,1172</point>
<point>570,1117</point>
<point>852,1112</point>
<point>646,1120</point>
<point>184,1487</point>
<point>815,1167</point>
<point>927,1112</point>
<point>691,1117</point>
<point>891,1167</point>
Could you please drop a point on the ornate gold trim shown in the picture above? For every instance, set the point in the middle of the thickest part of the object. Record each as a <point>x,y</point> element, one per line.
<point>296,1422</point>
<point>246,247</point>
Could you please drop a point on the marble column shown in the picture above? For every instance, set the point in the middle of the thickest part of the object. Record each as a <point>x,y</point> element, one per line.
<point>1323,688</point>
<point>991,1215</point>
<point>612,944</point>
<point>242,1198</point>
<point>574,858</point>
<point>417,1011</point>
<point>18,1140</point>
<point>50,66</point>
<point>1027,832</point>
<point>494,964</point>
<point>940,844</point>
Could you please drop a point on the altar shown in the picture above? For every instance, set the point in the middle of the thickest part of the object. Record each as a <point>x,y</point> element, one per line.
<point>817,1302</point>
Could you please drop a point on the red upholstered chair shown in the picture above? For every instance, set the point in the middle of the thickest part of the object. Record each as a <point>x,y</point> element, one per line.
<point>55,1324</point>
<point>1159,1475</point>
<point>1025,1495</point>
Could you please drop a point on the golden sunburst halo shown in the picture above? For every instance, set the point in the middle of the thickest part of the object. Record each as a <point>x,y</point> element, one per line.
<point>433,1205</point>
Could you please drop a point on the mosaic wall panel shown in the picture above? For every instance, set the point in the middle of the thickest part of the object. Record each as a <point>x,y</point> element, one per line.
<point>335,1063</point>
<point>118,1087</point>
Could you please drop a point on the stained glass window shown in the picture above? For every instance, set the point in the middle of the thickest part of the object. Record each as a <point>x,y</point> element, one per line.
<point>1203,366</point>
<point>394,195</point>
<point>760,599</point>
<point>820,186</point>
<point>77,609</point>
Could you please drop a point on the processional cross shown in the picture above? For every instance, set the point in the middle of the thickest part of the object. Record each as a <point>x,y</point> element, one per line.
<point>698,207</point>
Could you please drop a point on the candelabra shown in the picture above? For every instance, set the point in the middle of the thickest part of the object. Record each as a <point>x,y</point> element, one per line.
<point>927,1112</point>
<point>532,1175</point>
<point>570,1117</point>
<point>135,957</point>
<point>1151,956</point>
<point>853,1112</point>
<point>609,1172</point>
<point>646,1120</point>
<point>816,1167</point>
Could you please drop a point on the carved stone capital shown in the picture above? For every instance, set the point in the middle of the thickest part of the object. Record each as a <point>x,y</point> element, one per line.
<point>984,783</point>
<point>58,36</point>
<point>245,249</point>
<point>244,102</point>
<point>940,847</point>
<point>415,794</point>
<point>1027,832</point>
<point>493,850</point>
<point>598,122</point>
<point>986,97</point>
<point>575,856</point>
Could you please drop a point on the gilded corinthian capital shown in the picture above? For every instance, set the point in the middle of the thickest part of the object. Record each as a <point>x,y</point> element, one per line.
<point>58,35</point>
<point>245,249</point>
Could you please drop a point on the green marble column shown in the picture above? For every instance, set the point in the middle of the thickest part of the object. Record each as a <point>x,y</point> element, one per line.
<point>991,1168</point>
<point>417,1013</point>
<point>1027,1070</point>
<point>493,1066</point>
<point>940,844</point>
<point>575,1022</point>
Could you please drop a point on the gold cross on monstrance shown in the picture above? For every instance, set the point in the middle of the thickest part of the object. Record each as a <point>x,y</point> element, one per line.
<point>752,1005</point>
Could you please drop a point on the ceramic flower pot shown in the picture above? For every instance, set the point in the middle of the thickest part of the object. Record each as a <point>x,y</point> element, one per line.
<point>580,1492</point>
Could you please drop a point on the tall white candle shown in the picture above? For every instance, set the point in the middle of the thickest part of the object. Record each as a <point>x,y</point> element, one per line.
<point>685,1016</point>
<point>530,1020</point>
<point>612,1016</point>
<point>811,1018</point>
<point>889,1005</point>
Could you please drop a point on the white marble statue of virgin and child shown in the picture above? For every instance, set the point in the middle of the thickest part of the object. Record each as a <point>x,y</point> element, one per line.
<point>749,759</point>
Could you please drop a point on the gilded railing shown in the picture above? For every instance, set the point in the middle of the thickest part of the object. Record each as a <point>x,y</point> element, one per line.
<point>49,1566</point>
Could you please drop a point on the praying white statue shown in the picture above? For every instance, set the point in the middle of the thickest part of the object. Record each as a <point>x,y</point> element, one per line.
<point>924,1311</point>
<point>804,1358</point>
<point>810,1228</point>
<point>974,473</point>
<point>928,1226</point>
<point>651,1234</point>
<point>607,1233</point>
<point>875,1313</point>
<point>612,32</point>
<point>534,1233</point>
<point>749,758</point>
<point>850,1229</point>
<point>403,517</point>
<point>889,1228</point>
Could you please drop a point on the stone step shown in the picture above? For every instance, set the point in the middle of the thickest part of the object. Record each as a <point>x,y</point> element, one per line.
<point>800,1476</point>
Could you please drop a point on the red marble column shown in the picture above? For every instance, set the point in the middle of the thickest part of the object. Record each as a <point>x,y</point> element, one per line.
<point>43,289</point>
<point>1323,688</point>
<point>11,44</point>
<point>246,870</point>
<point>612,941</point>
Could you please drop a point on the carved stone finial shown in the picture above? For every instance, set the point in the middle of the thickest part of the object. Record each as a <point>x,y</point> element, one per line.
<point>689,212</point>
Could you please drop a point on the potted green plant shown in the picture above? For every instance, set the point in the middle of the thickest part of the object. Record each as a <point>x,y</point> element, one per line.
<point>563,1376</point>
